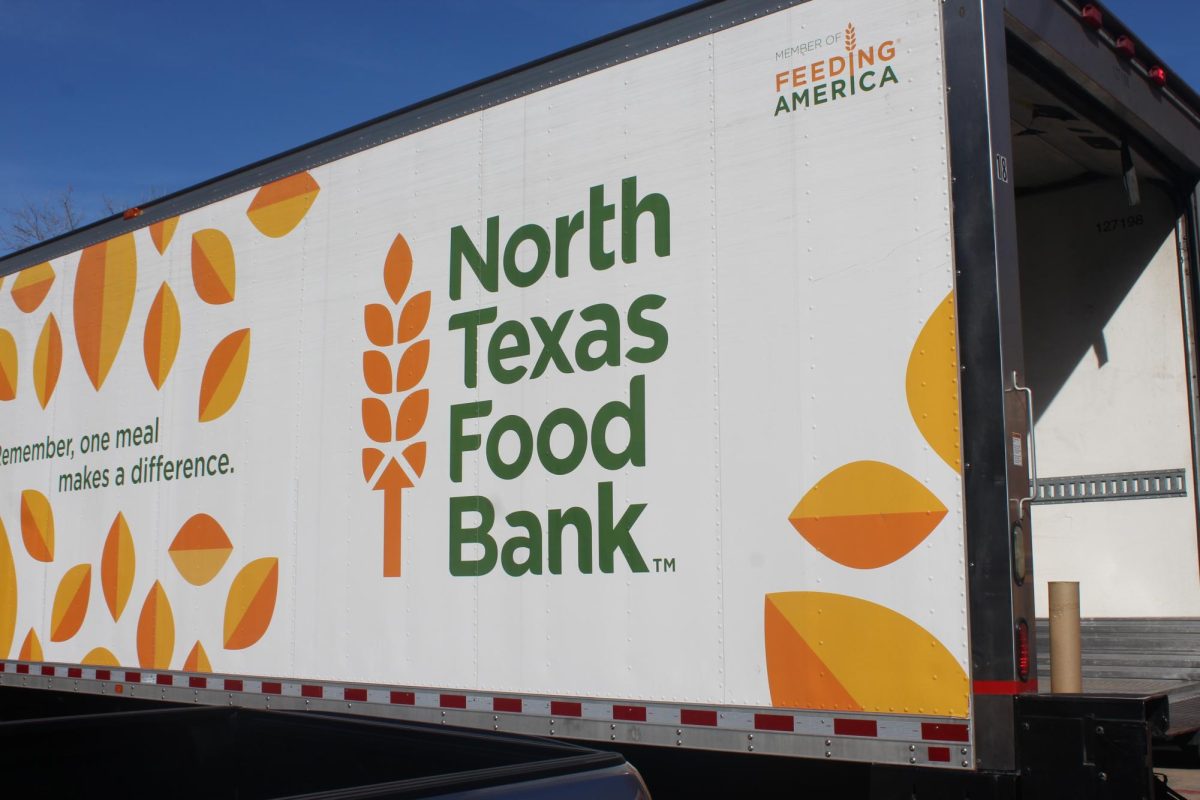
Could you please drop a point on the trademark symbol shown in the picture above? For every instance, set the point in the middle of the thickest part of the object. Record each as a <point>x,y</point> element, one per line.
<point>664,565</point>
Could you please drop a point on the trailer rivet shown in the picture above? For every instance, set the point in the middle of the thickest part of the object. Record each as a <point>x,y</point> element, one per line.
<point>1102,776</point>
<point>612,727</point>
<point>966,763</point>
<point>750,736</point>
<point>750,748</point>
<point>963,751</point>
<point>679,732</point>
<point>678,742</point>
<point>552,723</point>
<point>828,742</point>
<point>912,759</point>
<point>912,748</point>
<point>612,736</point>
<point>495,717</point>
<point>1099,730</point>
<point>829,754</point>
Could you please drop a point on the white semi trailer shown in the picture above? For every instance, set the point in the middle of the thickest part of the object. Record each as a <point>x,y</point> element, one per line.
<point>715,385</point>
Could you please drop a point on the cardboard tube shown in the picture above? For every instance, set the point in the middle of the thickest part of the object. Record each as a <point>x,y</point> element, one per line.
<point>1065,660</point>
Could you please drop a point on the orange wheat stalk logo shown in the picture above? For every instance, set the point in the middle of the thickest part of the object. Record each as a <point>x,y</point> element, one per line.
<point>851,39</point>
<point>391,380</point>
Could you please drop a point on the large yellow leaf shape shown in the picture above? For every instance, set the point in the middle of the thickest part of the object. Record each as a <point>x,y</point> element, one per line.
<point>31,648</point>
<point>8,365</point>
<point>117,566</point>
<point>213,270</point>
<point>156,630</point>
<point>867,514</point>
<point>101,657</point>
<point>830,651</point>
<point>31,286</point>
<point>70,603</point>
<point>251,603</point>
<point>197,660</point>
<point>278,207</point>
<point>160,342</point>
<point>162,232</point>
<point>8,593</point>
<point>37,525</point>
<point>224,374</point>
<point>200,549</point>
<point>47,361</point>
<point>104,289</point>
<point>932,384</point>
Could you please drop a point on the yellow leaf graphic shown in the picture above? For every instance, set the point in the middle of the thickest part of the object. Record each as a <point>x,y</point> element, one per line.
<point>251,603</point>
<point>161,233</point>
<point>200,549</point>
<point>47,361</point>
<point>411,415</point>
<point>155,630</point>
<point>8,365</point>
<point>412,367</point>
<point>413,317</point>
<point>37,525</point>
<point>117,566</point>
<point>224,374</point>
<point>278,207</point>
<point>397,268</point>
<point>104,287</point>
<point>8,594</point>
<point>867,514</point>
<point>213,270</point>
<point>100,657</point>
<point>32,285</point>
<point>932,384</point>
<point>31,648</point>
<point>197,660</point>
<point>160,342</point>
<point>840,653</point>
<point>70,603</point>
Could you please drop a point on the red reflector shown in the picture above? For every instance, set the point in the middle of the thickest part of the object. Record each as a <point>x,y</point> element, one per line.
<point>359,695</point>
<point>1158,76</point>
<point>22,669</point>
<point>561,708</point>
<point>163,680</point>
<point>1126,47</point>
<point>1023,657</point>
<point>511,705</point>
<point>131,213</point>
<point>72,672</point>
<point>308,690</point>
<point>774,722</point>
<point>133,677</point>
<point>855,727</point>
<point>103,675</point>
<point>2,666</point>
<point>630,713</point>
<point>403,699</point>
<point>939,754</point>
<point>272,687</point>
<point>697,716</point>
<point>233,685</point>
<point>453,701</point>
<point>1092,16</point>
<point>943,732</point>
<point>48,671</point>
<point>198,683</point>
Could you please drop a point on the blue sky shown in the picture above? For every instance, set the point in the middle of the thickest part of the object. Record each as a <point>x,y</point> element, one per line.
<point>133,98</point>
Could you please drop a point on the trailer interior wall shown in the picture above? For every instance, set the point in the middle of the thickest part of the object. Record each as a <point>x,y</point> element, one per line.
<point>1105,355</point>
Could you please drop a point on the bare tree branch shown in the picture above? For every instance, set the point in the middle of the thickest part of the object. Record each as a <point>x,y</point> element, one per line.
<point>35,222</point>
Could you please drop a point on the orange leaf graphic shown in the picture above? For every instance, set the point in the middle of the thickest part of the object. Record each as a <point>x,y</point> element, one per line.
<point>213,270</point>
<point>377,372</point>
<point>161,233</point>
<point>47,361</point>
<point>411,415</point>
<point>37,525</point>
<point>31,648</point>
<point>8,593</point>
<point>32,285</point>
<point>197,660</point>
<point>376,419</point>
<point>117,566</point>
<point>414,454</point>
<point>155,630</point>
<point>224,374</point>
<point>70,603</point>
<point>412,367</point>
<point>851,39</point>
<point>413,317</point>
<point>397,268</point>
<point>278,207</point>
<point>101,657</point>
<point>867,514</point>
<point>8,365</point>
<point>104,286</point>
<point>200,549</point>
<point>160,342</point>
<point>371,459</point>
<point>378,322</point>
<point>251,603</point>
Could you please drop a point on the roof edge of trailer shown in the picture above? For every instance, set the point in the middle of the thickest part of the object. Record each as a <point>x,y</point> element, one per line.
<point>684,24</point>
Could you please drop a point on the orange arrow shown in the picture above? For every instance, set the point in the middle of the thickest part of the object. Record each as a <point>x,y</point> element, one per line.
<point>392,482</point>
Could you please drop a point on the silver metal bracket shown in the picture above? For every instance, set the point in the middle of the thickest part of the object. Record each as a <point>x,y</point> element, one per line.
<point>1112,486</point>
